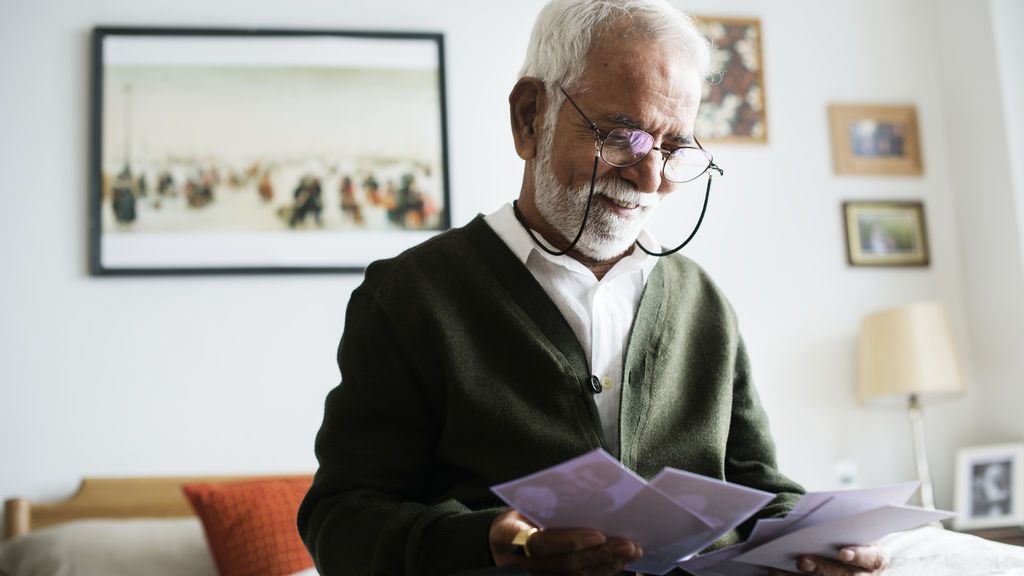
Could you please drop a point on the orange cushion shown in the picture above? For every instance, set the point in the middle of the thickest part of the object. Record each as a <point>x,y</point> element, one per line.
<point>250,524</point>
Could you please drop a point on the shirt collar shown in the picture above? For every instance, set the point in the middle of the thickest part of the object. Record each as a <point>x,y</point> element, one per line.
<point>505,224</point>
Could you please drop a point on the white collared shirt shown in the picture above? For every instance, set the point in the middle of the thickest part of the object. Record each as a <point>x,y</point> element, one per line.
<point>600,312</point>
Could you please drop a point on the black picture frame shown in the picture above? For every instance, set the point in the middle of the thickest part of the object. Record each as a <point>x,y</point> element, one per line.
<point>226,151</point>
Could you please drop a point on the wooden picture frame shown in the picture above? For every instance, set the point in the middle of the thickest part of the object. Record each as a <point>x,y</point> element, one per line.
<point>885,233</point>
<point>733,108</point>
<point>989,486</point>
<point>875,140</point>
<point>264,151</point>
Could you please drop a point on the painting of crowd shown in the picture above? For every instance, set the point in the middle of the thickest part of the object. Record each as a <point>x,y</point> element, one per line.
<point>191,195</point>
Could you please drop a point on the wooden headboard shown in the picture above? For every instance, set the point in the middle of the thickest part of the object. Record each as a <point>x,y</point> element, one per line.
<point>158,497</point>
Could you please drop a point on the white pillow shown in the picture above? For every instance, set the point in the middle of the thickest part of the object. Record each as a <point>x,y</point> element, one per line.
<point>155,547</point>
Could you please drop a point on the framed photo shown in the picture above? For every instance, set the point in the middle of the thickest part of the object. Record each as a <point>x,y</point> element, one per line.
<point>875,139</point>
<point>885,234</point>
<point>989,486</point>
<point>733,106</point>
<point>241,151</point>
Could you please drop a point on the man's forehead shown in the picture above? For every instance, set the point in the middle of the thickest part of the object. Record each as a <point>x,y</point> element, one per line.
<point>650,106</point>
<point>653,73</point>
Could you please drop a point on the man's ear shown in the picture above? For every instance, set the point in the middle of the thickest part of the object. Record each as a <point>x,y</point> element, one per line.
<point>526,107</point>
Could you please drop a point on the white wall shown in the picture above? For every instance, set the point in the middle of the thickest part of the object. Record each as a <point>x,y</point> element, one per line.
<point>1007,17</point>
<point>202,375</point>
<point>984,118</point>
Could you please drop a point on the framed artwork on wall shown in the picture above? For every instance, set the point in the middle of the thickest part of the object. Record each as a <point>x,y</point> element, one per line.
<point>885,234</point>
<point>989,486</point>
<point>875,140</point>
<point>733,105</point>
<point>262,151</point>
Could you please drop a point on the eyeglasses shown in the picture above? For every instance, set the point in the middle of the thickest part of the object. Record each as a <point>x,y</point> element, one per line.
<point>623,147</point>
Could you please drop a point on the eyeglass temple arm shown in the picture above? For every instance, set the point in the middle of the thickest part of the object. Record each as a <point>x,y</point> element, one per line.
<point>584,116</point>
<point>712,166</point>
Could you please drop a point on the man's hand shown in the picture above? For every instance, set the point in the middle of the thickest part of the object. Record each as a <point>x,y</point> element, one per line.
<point>851,561</point>
<point>561,550</point>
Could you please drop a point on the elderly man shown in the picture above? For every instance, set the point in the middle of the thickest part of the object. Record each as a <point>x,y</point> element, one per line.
<point>547,329</point>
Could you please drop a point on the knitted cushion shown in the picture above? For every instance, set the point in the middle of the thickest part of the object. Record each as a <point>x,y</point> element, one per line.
<point>250,524</point>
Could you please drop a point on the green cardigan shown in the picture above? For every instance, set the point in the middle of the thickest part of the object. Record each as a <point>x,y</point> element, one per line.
<point>458,373</point>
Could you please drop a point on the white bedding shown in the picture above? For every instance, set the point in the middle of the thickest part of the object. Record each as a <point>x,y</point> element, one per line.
<point>932,551</point>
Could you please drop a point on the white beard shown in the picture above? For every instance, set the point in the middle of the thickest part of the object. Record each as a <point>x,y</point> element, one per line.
<point>607,234</point>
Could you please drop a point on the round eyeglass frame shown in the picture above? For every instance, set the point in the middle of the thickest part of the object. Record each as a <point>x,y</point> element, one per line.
<point>602,139</point>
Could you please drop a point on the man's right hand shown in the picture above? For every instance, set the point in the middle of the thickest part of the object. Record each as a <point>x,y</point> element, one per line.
<point>560,550</point>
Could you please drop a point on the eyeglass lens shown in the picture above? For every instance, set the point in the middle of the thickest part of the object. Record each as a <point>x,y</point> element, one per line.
<point>627,146</point>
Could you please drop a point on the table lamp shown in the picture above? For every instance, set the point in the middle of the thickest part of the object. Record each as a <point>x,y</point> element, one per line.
<point>905,354</point>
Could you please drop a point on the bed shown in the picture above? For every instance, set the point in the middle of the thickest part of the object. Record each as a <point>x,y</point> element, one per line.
<point>206,526</point>
<point>163,526</point>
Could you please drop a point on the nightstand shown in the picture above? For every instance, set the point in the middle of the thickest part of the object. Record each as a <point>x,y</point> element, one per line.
<point>1012,535</point>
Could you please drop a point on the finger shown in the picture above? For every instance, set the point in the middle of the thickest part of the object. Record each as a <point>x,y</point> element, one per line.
<point>503,530</point>
<point>871,558</point>
<point>616,553</point>
<point>561,541</point>
<point>600,570</point>
<point>826,567</point>
<point>511,521</point>
<point>593,560</point>
<point>604,570</point>
<point>626,550</point>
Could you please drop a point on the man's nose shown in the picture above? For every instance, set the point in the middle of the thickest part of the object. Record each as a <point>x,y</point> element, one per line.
<point>646,174</point>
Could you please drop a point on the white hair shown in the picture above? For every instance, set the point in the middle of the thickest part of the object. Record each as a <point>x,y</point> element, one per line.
<point>566,29</point>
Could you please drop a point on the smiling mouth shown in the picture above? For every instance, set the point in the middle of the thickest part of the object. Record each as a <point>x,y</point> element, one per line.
<point>622,204</point>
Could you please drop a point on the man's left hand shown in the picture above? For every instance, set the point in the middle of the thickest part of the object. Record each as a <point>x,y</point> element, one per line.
<point>850,561</point>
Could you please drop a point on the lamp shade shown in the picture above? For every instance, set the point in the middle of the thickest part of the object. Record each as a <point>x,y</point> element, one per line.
<point>905,351</point>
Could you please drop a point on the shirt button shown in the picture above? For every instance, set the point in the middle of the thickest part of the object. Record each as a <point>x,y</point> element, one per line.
<point>607,383</point>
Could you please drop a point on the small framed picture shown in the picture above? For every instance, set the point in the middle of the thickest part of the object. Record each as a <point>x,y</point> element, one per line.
<point>990,486</point>
<point>885,234</point>
<point>875,139</point>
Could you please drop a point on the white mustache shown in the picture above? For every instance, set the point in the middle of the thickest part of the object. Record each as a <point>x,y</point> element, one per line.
<point>626,195</point>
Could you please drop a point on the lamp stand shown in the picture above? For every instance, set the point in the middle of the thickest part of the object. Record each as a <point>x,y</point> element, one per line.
<point>921,453</point>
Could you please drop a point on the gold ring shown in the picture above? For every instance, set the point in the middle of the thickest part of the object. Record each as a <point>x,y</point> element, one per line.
<point>519,542</point>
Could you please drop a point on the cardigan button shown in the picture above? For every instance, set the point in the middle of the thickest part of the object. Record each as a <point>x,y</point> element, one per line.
<point>595,384</point>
